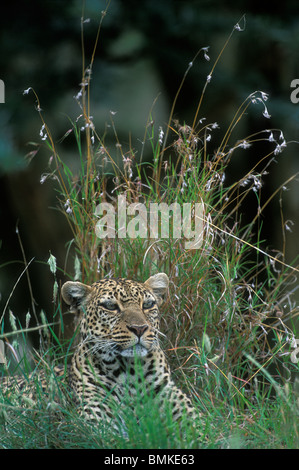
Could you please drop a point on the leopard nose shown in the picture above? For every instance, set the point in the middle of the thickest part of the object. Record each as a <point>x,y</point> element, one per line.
<point>137,330</point>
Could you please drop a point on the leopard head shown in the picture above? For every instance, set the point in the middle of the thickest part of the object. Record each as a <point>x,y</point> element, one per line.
<point>119,315</point>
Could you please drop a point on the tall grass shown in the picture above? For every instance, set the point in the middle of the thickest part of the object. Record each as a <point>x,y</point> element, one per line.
<point>229,319</point>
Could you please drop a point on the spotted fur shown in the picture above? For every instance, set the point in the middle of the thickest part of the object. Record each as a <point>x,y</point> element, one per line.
<point>118,359</point>
<point>120,328</point>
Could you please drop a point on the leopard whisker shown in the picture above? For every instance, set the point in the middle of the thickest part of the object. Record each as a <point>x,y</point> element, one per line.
<point>159,332</point>
<point>98,344</point>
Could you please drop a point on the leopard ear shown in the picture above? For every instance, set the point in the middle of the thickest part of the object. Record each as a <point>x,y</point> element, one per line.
<point>158,284</point>
<point>74,294</point>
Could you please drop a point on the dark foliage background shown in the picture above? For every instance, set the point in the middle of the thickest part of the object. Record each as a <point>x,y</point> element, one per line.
<point>144,50</point>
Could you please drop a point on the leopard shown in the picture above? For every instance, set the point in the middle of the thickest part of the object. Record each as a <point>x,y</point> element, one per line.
<point>120,330</point>
<point>118,359</point>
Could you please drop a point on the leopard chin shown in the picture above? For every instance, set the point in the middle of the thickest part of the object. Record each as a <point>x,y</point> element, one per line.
<point>137,350</point>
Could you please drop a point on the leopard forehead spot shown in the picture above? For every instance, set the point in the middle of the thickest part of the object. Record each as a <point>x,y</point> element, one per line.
<point>120,289</point>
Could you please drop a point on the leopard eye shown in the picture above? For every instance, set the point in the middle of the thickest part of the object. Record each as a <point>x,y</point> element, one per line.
<point>109,305</point>
<point>148,303</point>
